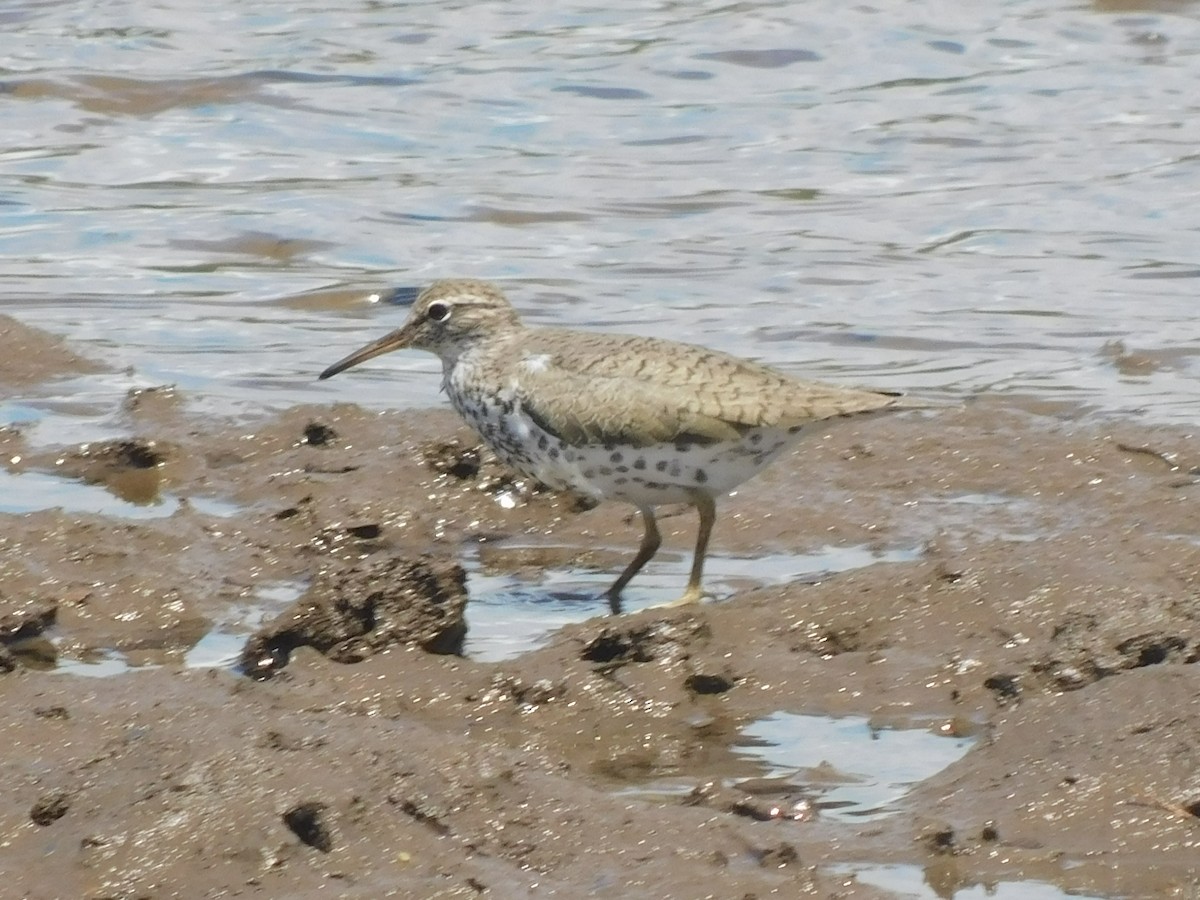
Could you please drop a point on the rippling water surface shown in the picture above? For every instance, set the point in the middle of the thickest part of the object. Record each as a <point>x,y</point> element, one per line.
<point>930,196</point>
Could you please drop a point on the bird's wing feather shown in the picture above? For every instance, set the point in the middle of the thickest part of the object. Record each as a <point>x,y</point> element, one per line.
<point>634,390</point>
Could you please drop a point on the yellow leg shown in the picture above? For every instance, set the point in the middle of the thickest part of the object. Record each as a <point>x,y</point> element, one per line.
<point>651,541</point>
<point>707,508</point>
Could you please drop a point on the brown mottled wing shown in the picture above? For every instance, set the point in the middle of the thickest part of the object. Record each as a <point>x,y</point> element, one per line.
<point>639,391</point>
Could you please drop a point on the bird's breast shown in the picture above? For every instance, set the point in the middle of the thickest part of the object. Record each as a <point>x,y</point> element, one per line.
<point>500,419</point>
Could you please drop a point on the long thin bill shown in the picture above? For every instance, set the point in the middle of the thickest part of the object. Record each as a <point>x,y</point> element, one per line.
<point>392,341</point>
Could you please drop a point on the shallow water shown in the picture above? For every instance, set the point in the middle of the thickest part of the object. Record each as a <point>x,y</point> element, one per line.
<point>862,770</point>
<point>914,883</point>
<point>31,491</point>
<point>919,196</point>
<point>219,647</point>
<point>842,768</point>
<point>510,613</point>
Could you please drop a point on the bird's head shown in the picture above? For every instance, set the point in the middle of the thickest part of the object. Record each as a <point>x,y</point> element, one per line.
<point>447,318</point>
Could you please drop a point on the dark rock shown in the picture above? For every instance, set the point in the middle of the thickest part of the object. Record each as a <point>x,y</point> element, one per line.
<point>1007,688</point>
<point>50,808</point>
<point>639,641</point>
<point>453,458</point>
<point>778,857</point>
<point>22,620</point>
<point>356,611</point>
<point>701,683</point>
<point>318,435</point>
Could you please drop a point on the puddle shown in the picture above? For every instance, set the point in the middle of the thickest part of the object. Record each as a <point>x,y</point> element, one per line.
<point>910,881</point>
<point>97,665</point>
<point>856,769</point>
<point>512,613</point>
<point>220,647</point>
<point>42,654</point>
<point>27,492</point>
<point>845,768</point>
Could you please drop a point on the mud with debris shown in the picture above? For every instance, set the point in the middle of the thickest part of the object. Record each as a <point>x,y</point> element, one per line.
<point>1050,610</point>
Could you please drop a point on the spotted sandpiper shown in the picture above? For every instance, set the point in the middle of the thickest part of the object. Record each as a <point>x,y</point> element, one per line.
<point>613,416</point>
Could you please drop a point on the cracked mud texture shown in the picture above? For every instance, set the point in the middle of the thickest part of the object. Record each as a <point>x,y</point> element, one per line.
<point>1051,612</point>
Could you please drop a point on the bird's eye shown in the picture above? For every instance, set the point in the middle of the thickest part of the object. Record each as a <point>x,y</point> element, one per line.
<point>438,312</point>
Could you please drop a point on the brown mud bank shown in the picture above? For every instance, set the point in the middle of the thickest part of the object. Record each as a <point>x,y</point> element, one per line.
<point>1046,614</point>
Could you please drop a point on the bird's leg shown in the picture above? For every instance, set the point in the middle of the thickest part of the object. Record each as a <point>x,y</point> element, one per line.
<point>651,540</point>
<point>707,508</point>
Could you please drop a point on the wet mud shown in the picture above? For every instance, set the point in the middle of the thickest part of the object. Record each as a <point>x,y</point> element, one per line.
<point>353,748</point>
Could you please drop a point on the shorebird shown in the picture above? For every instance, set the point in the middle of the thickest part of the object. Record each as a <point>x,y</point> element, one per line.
<point>614,416</point>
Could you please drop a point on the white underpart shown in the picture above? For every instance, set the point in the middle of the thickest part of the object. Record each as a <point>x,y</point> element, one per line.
<point>644,476</point>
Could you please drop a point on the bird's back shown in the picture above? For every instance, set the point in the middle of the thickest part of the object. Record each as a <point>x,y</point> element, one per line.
<point>709,384</point>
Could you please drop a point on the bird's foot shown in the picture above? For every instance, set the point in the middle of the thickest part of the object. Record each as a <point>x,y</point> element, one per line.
<point>690,596</point>
<point>693,594</point>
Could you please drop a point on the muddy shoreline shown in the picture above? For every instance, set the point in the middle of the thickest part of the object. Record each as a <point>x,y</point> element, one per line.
<point>1049,612</point>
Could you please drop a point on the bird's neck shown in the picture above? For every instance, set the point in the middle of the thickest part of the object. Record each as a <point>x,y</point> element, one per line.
<point>462,359</point>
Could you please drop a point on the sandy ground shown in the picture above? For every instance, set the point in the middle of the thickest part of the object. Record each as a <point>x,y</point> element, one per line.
<point>1051,613</point>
